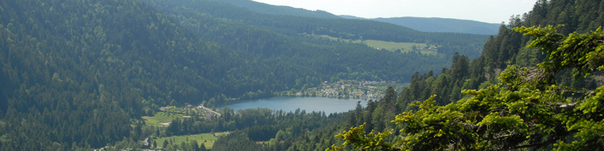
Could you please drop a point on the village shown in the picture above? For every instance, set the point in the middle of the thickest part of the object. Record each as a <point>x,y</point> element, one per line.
<point>188,111</point>
<point>346,89</point>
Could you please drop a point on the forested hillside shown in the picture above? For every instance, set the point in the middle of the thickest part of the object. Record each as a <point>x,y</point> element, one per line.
<point>516,96</point>
<point>73,74</point>
<point>508,106</point>
<point>295,26</point>
<point>279,10</point>
<point>79,74</point>
<point>443,25</point>
<point>329,59</point>
<point>416,23</point>
<point>507,48</point>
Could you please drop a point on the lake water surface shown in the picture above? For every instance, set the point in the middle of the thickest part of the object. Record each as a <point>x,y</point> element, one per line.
<point>328,105</point>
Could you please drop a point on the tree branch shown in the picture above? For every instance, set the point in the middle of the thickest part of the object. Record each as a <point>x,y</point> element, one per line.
<point>538,145</point>
<point>562,106</point>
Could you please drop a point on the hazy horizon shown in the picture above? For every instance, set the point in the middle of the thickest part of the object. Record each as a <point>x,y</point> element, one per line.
<point>477,10</point>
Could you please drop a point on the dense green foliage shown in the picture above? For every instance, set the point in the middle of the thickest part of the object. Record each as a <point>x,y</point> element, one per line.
<point>60,84</point>
<point>526,110</point>
<point>541,106</point>
<point>507,48</point>
<point>444,25</point>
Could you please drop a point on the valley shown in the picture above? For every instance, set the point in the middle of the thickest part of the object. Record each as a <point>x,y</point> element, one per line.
<point>92,74</point>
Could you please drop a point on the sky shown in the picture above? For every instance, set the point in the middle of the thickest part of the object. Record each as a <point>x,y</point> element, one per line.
<point>490,11</point>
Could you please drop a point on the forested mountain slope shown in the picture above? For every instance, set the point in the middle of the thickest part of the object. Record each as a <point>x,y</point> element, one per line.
<point>448,43</point>
<point>80,73</point>
<point>328,59</point>
<point>74,72</point>
<point>502,91</point>
<point>450,119</point>
<point>279,10</point>
<point>443,25</point>
<point>416,23</point>
<point>509,48</point>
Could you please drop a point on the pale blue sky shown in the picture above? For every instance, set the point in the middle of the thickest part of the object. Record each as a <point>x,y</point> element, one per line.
<point>491,11</point>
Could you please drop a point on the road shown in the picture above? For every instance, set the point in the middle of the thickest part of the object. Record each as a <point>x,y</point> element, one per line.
<point>209,110</point>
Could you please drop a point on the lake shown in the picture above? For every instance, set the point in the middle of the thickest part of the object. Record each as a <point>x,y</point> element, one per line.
<point>328,105</point>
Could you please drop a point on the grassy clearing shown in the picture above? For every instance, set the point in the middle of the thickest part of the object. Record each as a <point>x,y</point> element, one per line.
<point>161,117</point>
<point>206,138</point>
<point>406,46</point>
<point>377,44</point>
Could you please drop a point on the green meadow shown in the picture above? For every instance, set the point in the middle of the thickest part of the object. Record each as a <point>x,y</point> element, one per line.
<point>388,45</point>
<point>161,117</point>
<point>206,138</point>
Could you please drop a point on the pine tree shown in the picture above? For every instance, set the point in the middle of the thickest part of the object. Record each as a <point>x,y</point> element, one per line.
<point>202,147</point>
<point>165,143</point>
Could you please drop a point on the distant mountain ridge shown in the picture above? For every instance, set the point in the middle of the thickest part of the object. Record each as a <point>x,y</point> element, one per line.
<point>279,10</point>
<point>444,25</point>
<point>416,23</point>
<point>434,24</point>
<point>352,17</point>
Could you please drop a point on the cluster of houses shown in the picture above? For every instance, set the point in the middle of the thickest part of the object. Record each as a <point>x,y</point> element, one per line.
<point>363,83</point>
<point>208,114</point>
<point>358,89</point>
<point>367,83</point>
